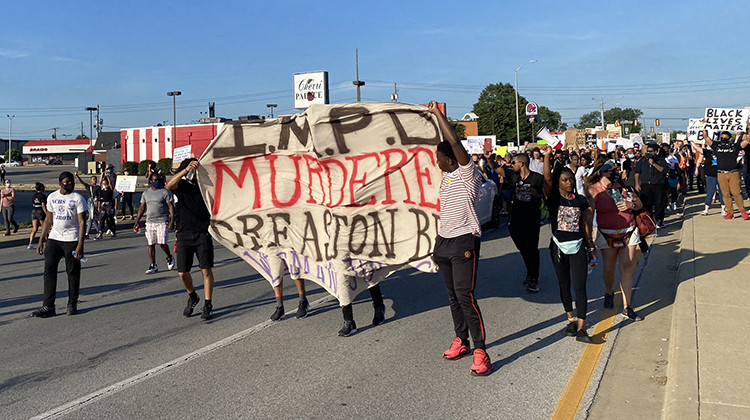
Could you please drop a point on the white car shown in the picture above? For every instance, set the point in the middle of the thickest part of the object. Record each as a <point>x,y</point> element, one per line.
<point>12,163</point>
<point>488,204</point>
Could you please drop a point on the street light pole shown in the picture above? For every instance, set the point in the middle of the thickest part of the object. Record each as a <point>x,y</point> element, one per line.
<point>518,122</point>
<point>91,110</point>
<point>602,113</point>
<point>174,94</point>
<point>10,133</point>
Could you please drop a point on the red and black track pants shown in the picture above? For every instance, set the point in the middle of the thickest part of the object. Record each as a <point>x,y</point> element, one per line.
<point>457,258</point>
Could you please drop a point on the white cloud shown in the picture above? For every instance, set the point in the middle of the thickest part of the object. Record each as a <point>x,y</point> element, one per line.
<point>13,54</point>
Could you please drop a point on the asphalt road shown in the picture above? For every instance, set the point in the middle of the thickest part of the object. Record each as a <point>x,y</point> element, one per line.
<point>131,323</point>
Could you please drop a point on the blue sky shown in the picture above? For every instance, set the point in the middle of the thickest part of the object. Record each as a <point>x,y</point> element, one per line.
<point>669,58</point>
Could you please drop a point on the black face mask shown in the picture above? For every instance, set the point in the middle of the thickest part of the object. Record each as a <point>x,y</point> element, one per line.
<point>69,188</point>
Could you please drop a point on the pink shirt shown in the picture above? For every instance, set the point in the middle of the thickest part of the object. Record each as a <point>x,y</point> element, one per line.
<point>7,201</point>
<point>608,216</point>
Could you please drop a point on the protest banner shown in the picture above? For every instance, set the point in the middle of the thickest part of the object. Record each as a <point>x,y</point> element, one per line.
<point>340,195</point>
<point>726,119</point>
<point>181,153</point>
<point>126,183</point>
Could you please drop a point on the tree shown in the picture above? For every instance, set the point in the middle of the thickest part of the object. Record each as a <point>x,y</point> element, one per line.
<point>81,136</point>
<point>495,108</point>
<point>460,129</point>
<point>15,155</point>
<point>593,118</point>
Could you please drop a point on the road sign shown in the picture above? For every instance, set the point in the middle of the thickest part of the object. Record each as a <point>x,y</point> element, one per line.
<point>532,109</point>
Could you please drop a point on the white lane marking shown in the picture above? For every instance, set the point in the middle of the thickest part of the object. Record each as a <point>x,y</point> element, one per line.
<point>134,380</point>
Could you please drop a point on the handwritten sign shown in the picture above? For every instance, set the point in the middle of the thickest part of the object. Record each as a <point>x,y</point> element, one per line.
<point>695,129</point>
<point>181,153</point>
<point>126,183</point>
<point>340,195</point>
<point>726,119</point>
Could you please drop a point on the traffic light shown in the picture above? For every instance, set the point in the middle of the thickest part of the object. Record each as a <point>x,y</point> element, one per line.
<point>635,123</point>
<point>617,123</point>
<point>652,129</point>
<point>657,122</point>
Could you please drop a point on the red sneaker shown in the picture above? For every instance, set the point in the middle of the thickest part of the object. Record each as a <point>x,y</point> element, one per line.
<point>729,216</point>
<point>457,350</point>
<point>482,365</point>
<point>744,215</point>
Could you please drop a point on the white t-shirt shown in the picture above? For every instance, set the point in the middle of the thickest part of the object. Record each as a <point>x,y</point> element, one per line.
<point>65,210</point>
<point>536,166</point>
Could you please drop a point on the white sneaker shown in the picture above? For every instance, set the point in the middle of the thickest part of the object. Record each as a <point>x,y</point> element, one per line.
<point>31,247</point>
<point>109,232</point>
<point>704,212</point>
<point>170,264</point>
<point>152,269</point>
<point>724,211</point>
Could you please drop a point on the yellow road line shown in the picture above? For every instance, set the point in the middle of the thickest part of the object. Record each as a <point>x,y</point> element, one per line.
<point>571,398</point>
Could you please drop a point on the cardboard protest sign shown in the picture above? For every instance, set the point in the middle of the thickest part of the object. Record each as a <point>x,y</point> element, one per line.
<point>181,153</point>
<point>340,195</point>
<point>695,129</point>
<point>126,183</point>
<point>726,119</point>
<point>474,145</point>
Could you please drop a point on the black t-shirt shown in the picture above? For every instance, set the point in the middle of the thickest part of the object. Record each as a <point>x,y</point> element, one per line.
<point>93,191</point>
<point>508,175</point>
<point>192,213</point>
<point>566,216</point>
<point>525,207</point>
<point>37,200</point>
<point>726,154</point>
<point>709,163</point>
<point>106,196</point>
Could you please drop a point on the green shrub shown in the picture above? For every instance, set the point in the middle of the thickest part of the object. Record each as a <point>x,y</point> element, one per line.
<point>131,167</point>
<point>165,164</point>
<point>143,166</point>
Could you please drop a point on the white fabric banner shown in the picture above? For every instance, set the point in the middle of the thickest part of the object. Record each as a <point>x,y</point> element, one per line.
<point>340,195</point>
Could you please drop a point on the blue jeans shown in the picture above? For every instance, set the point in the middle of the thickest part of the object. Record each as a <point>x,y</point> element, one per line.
<point>711,186</point>
<point>92,216</point>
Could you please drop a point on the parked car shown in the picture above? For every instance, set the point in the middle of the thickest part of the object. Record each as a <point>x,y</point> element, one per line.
<point>488,205</point>
<point>13,163</point>
<point>54,161</point>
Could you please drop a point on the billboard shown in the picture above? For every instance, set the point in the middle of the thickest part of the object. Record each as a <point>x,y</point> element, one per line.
<point>310,88</point>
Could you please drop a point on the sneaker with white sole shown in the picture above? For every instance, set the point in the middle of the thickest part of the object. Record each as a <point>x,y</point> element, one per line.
<point>31,246</point>
<point>152,269</point>
<point>170,263</point>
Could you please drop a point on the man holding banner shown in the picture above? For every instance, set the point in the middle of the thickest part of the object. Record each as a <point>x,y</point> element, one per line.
<point>457,245</point>
<point>193,239</point>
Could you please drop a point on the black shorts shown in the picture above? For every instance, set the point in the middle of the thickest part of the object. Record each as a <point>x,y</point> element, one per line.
<point>38,215</point>
<point>189,244</point>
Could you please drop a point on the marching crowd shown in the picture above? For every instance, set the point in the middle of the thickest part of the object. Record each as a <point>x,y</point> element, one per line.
<point>597,204</point>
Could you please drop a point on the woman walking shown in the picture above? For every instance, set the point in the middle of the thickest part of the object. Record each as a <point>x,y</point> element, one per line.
<point>8,204</point>
<point>571,245</point>
<point>618,235</point>
<point>726,152</point>
<point>706,167</point>
<point>38,212</point>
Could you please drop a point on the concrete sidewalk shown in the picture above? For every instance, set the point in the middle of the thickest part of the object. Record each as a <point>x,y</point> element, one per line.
<point>708,374</point>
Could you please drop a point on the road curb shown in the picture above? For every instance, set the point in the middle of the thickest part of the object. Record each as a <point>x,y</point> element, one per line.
<point>682,398</point>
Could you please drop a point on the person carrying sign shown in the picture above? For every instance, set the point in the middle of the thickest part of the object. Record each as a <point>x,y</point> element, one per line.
<point>193,239</point>
<point>457,245</point>
<point>728,175</point>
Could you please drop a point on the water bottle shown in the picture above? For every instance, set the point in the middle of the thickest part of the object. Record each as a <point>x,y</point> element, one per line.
<point>83,259</point>
<point>617,195</point>
<point>137,229</point>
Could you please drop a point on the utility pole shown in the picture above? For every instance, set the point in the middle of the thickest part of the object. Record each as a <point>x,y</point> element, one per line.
<point>91,109</point>
<point>394,96</point>
<point>54,134</point>
<point>604,127</point>
<point>358,83</point>
<point>98,122</point>
<point>82,129</point>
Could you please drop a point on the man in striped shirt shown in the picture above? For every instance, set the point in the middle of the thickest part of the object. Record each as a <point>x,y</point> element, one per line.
<point>456,250</point>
